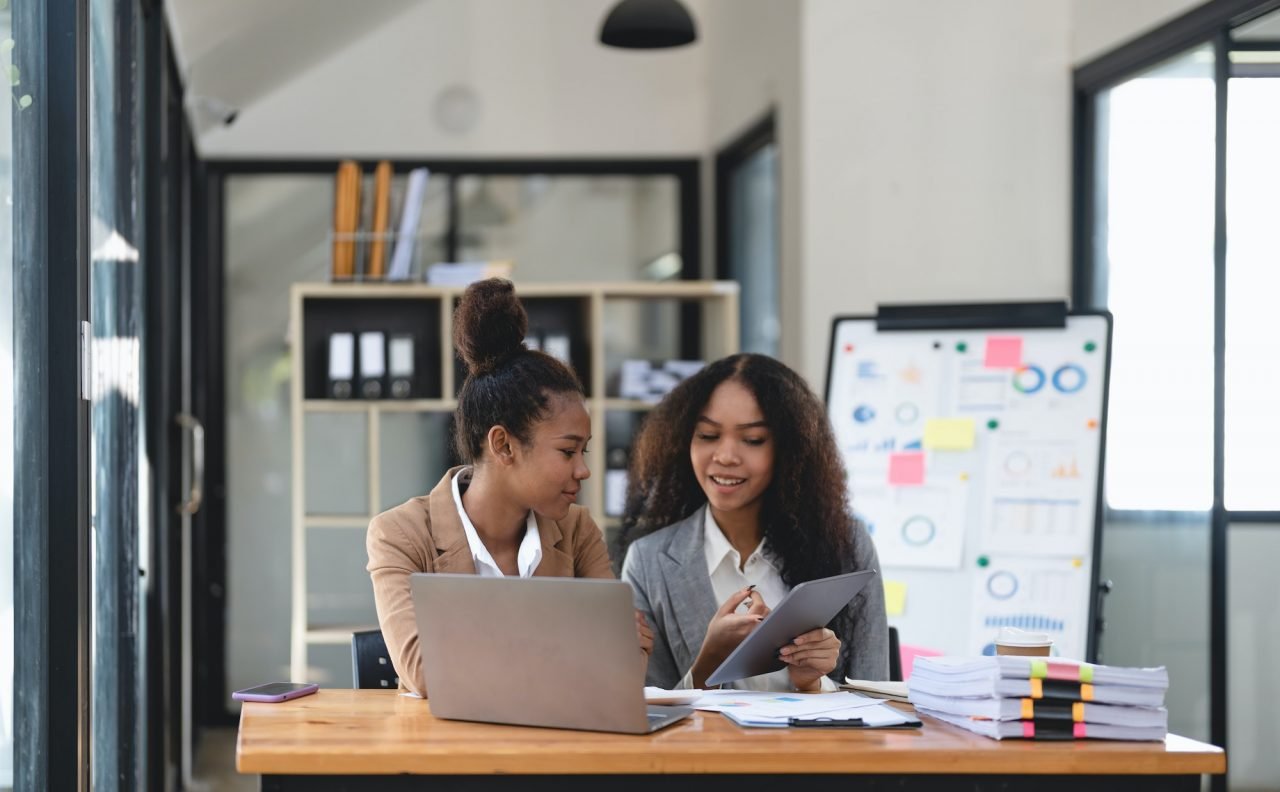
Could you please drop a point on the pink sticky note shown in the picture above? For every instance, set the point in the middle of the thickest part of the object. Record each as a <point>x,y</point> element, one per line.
<point>907,469</point>
<point>1003,352</point>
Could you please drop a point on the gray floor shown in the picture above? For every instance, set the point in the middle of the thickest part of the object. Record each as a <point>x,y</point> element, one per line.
<point>215,763</point>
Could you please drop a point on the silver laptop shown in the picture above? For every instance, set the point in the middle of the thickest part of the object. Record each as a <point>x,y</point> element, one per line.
<point>560,652</point>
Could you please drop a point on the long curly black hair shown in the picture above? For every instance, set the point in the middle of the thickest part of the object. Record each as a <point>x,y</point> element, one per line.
<point>805,509</point>
<point>804,512</point>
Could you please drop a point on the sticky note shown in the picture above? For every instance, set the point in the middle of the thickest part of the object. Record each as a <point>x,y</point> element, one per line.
<point>895,597</point>
<point>948,434</point>
<point>906,469</point>
<point>1003,352</point>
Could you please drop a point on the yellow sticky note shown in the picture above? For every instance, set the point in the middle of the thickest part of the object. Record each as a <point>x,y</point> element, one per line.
<point>895,597</point>
<point>948,434</point>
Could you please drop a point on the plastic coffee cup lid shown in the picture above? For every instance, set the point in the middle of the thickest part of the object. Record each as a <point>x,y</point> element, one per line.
<point>1012,636</point>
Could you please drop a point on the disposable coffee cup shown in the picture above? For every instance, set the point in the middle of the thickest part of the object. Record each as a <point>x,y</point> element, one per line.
<point>1012,641</point>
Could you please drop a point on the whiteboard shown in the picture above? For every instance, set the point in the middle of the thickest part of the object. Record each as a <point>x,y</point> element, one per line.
<point>974,459</point>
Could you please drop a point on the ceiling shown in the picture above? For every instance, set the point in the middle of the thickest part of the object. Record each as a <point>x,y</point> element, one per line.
<point>237,51</point>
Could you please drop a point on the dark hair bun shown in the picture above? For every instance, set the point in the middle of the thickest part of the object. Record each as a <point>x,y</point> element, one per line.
<point>489,324</point>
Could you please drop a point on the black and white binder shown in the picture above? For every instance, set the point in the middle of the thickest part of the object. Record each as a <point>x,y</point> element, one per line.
<point>342,365</point>
<point>400,366</point>
<point>373,364</point>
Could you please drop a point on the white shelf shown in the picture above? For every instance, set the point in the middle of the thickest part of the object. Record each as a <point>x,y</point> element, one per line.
<point>337,520</point>
<point>719,301</point>
<point>335,634</point>
<point>383,405</point>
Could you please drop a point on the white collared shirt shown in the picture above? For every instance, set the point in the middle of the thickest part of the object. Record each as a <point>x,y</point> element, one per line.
<point>527,557</point>
<point>729,575</point>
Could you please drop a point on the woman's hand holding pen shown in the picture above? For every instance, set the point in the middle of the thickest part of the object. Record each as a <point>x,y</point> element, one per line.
<point>810,657</point>
<point>726,630</point>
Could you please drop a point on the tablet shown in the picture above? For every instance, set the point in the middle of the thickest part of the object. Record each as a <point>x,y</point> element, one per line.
<point>810,605</point>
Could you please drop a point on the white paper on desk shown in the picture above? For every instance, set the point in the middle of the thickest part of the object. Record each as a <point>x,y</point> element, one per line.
<point>762,704</point>
<point>410,694</point>
<point>872,715</point>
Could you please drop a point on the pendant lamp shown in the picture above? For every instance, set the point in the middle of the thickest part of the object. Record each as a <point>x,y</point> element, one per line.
<point>648,24</point>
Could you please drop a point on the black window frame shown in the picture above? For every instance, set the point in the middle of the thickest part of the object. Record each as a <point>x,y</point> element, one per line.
<point>1209,24</point>
<point>52,748</point>
<point>763,132</point>
<point>209,575</point>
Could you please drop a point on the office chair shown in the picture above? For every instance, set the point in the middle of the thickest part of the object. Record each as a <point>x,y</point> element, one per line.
<point>371,665</point>
<point>895,656</point>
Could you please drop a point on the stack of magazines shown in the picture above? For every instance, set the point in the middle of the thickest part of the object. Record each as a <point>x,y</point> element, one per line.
<point>1042,698</point>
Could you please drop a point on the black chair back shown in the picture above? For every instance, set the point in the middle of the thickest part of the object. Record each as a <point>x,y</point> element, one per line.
<point>371,666</point>
<point>895,656</point>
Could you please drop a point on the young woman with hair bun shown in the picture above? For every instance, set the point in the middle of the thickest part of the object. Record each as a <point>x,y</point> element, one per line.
<point>522,430</point>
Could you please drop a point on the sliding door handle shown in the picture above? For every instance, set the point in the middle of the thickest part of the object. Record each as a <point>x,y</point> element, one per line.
<point>195,495</point>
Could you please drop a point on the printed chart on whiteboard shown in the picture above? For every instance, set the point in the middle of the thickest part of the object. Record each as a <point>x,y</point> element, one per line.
<point>973,458</point>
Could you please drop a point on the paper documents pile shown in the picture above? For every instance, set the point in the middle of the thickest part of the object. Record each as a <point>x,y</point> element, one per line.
<point>779,710</point>
<point>1042,698</point>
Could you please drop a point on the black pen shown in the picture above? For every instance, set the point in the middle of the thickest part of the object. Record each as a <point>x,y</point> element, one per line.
<point>827,723</point>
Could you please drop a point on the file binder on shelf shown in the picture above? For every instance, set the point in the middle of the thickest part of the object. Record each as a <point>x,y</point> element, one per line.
<point>342,365</point>
<point>373,364</point>
<point>400,366</point>
<point>377,266</point>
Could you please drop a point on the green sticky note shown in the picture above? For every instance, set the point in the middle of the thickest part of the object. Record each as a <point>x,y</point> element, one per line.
<point>1039,669</point>
<point>1086,673</point>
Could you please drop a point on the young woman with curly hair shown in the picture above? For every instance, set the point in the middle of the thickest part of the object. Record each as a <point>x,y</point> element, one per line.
<point>737,495</point>
<point>522,429</point>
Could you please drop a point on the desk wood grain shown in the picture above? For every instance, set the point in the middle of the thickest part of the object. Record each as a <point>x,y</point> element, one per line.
<point>374,732</point>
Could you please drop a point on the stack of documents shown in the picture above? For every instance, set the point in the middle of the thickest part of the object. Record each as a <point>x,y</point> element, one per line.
<point>1043,698</point>
<point>779,710</point>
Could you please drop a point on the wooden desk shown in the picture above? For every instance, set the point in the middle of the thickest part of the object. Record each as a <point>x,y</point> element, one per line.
<point>369,739</point>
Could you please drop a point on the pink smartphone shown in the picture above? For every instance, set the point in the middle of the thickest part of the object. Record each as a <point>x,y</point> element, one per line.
<point>276,691</point>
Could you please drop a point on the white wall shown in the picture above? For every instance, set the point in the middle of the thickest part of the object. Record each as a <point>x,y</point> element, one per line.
<point>1098,26</point>
<point>543,84</point>
<point>753,66</point>
<point>936,162</point>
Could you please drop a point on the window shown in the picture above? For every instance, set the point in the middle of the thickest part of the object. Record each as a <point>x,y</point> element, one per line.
<point>1176,202</point>
<point>1153,249</point>
<point>1252,388</point>
<point>747,207</point>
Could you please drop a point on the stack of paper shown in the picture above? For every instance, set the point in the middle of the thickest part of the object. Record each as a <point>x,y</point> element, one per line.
<point>1042,697</point>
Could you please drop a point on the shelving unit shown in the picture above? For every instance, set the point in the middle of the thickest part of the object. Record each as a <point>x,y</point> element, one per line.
<point>585,310</point>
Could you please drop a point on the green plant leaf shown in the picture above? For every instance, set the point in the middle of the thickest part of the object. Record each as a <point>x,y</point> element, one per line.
<point>13,74</point>
<point>25,101</point>
<point>6,45</point>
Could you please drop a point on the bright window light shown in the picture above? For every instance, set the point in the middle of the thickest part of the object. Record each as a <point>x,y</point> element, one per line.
<point>1155,255</point>
<point>1253,279</point>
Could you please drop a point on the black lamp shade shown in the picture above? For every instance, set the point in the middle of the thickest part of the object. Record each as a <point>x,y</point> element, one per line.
<point>648,24</point>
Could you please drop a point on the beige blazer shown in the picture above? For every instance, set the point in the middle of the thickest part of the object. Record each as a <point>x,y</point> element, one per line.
<point>425,534</point>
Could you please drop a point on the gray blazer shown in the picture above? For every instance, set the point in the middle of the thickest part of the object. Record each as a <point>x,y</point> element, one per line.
<point>668,572</point>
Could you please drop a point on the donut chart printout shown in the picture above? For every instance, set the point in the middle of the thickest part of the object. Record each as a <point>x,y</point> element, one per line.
<point>973,458</point>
